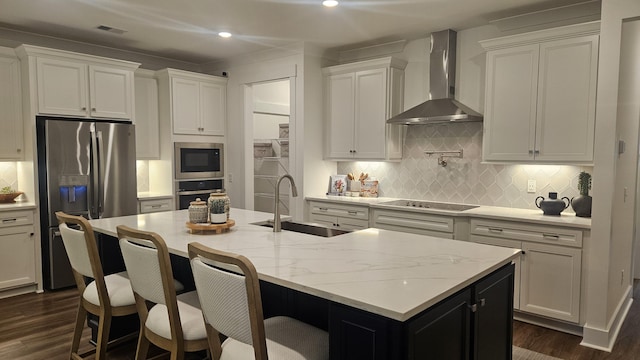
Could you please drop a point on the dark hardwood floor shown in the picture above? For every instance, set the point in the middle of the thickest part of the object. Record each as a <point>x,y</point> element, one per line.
<point>566,346</point>
<point>39,326</point>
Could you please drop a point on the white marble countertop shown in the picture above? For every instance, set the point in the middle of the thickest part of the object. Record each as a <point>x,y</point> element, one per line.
<point>534,216</point>
<point>18,205</point>
<point>148,195</point>
<point>389,273</point>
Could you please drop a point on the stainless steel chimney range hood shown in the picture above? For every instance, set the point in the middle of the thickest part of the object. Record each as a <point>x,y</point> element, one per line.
<point>441,106</point>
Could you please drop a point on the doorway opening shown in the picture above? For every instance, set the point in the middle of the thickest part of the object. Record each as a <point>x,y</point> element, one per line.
<point>271,118</point>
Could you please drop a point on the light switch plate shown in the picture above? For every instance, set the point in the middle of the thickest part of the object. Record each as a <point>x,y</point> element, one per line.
<point>531,186</point>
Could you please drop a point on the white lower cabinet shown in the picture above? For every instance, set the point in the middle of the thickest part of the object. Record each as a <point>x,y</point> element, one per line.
<point>146,206</point>
<point>413,222</point>
<point>17,249</point>
<point>549,272</point>
<point>348,217</point>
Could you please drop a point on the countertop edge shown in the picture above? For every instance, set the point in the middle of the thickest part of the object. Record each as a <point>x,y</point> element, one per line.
<point>482,211</point>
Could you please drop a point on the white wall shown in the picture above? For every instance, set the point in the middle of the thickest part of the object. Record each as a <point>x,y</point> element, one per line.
<point>609,252</point>
<point>303,67</point>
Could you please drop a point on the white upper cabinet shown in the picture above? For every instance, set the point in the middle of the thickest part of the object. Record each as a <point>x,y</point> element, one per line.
<point>360,98</point>
<point>81,85</point>
<point>540,96</point>
<point>147,122</point>
<point>197,102</point>
<point>12,134</point>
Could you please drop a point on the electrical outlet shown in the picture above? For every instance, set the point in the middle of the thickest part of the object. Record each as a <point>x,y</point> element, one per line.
<point>531,186</point>
<point>230,177</point>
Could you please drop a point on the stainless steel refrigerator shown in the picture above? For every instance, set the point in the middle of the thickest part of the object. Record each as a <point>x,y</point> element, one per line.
<point>87,168</point>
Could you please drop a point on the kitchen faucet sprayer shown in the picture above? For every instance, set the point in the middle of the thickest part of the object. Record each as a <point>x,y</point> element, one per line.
<point>277,225</point>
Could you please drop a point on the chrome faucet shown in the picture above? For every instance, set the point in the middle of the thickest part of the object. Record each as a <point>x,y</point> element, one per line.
<point>277,225</point>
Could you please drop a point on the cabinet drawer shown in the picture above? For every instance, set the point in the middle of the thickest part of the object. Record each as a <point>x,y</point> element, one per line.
<point>157,205</point>
<point>344,211</point>
<point>523,232</point>
<point>388,219</point>
<point>343,223</point>
<point>15,218</point>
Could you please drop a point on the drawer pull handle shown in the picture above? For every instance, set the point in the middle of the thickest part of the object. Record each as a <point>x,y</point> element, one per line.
<point>352,212</point>
<point>551,236</point>
<point>156,206</point>
<point>8,221</point>
<point>323,209</point>
<point>497,230</point>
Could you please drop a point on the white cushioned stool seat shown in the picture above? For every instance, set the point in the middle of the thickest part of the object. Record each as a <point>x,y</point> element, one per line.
<point>118,287</point>
<point>190,318</point>
<point>287,339</point>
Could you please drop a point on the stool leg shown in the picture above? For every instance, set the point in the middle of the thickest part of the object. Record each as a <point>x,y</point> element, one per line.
<point>81,317</point>
<point>143,344</point>
<point>103,336</point>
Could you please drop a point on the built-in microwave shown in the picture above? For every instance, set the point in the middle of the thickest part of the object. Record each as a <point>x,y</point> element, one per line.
<point>199,160</point>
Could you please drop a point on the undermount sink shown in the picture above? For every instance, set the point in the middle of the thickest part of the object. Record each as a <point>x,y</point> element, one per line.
<point>430,205</point>
<point>310,229</point>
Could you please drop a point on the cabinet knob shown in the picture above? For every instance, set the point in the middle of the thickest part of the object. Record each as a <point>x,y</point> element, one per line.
<point>18,151</point>
<point>536,152</point>
<point>93,109</point>
<point>530,152</point>
<point>83,108</point>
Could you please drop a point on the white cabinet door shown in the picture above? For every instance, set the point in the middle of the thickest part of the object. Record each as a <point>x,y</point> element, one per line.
<point>78,89</point>
<point>341,107</point>
<point>550,281</point>
<point>17,249</point>
<point>185,98</point>
<point>360,97</point>
<point>62,87</point>
<point>146,119</point>
<point>110,92</point>
<point>510,106</point>
<point>12,134</point>
<point>17,257</point>
<point>540,96</point>
<point>213,108</point>
<point>566,99</point>
<point>371,114</point>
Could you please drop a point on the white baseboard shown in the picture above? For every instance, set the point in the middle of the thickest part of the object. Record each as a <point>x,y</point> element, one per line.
<point>604,339</point>
<point>574,329</point>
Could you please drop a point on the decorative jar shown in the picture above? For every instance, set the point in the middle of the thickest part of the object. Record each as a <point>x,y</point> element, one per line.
<point>219,205</point>
<point>198,212</point>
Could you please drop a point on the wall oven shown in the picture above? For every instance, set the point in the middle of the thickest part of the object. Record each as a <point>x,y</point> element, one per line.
<point>198,160</point>
<point>189,191</point>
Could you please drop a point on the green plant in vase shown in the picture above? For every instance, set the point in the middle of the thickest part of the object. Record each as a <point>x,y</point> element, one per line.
<point>582,204</point>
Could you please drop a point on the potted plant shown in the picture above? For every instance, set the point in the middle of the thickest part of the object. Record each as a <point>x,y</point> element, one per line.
<point>582,204</point>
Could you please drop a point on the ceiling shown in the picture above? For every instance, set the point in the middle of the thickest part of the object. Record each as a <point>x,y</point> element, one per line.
<point>187,30</point>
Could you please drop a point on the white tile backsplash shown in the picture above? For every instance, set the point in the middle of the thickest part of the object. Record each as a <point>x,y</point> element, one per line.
<point>466,180</point>
<point>142,175</point>
<point>9,175</point>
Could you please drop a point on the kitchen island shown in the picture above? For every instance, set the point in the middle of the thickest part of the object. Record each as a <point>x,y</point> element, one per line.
<point>380,294</point>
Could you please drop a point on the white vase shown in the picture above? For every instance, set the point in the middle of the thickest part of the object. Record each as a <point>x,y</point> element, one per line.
<point>218,218</point>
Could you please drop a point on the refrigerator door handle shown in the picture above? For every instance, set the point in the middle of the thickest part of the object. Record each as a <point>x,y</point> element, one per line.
<point>95,175</point>
<point>100,179</point>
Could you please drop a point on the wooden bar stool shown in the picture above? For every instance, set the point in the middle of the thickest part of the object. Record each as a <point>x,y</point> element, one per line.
<point>103,296</point>
<point>169,321</point>
<point>229,292</point>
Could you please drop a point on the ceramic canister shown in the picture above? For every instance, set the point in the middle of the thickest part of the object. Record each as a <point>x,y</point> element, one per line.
<point>218,207</point>
<point>198,212</point>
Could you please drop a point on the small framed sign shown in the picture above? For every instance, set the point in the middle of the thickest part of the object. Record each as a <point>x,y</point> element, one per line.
<point>338,185</point>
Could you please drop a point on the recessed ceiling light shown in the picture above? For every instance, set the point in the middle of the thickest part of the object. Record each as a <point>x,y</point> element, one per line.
<point>224,34</point>
<point>330,3</point>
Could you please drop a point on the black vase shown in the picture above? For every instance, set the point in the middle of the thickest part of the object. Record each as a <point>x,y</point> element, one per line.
<point>582,205</point>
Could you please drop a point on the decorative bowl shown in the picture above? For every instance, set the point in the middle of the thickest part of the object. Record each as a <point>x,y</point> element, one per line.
<point>10,197</point>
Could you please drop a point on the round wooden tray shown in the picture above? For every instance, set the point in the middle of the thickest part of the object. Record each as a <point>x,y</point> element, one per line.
<point>218,228</point>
